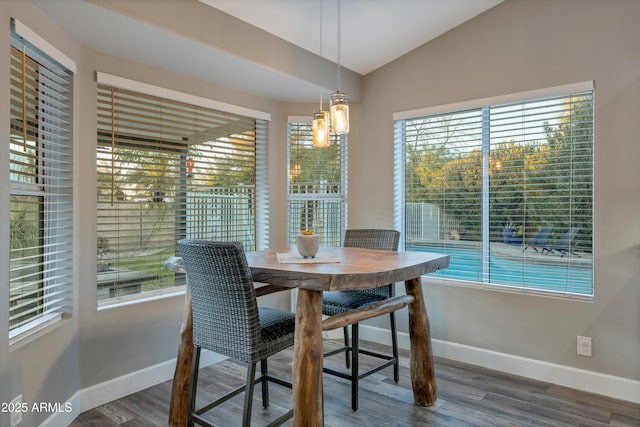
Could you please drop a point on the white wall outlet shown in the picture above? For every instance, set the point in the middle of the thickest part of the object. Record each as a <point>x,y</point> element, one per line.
<point>584,346</point>
<point>16,411</point>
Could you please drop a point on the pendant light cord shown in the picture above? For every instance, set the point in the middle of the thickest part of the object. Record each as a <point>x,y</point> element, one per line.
<point>338,44</point>
<point>321,49</point>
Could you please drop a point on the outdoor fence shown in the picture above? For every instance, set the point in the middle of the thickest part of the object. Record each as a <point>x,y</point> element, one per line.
<point>426,221</point>
<point>130,226</point>
<point>225,214</point>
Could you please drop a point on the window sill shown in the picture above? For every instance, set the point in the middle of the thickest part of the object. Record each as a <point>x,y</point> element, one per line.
<point>144,297</point>
<point>34,330</point>
<point>507,289</point>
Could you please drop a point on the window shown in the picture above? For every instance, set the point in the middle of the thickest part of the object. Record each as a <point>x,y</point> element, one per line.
<point>505,188</point>
<point>40,172</point>
<point>169,170</point>
<point>317,185</point>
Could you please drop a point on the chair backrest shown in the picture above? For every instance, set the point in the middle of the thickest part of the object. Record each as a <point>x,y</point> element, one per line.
<point>223,299</point>
<point>542,237</point>
<point>371,238</point>
<point>567,238</point>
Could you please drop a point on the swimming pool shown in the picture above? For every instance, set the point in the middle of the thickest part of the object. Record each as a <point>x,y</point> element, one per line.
<point>554,274</point>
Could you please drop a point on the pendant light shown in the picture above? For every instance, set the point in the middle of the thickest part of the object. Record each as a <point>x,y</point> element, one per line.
<point>320,126</point>
<point>339,104</point>
<point>320,129</point>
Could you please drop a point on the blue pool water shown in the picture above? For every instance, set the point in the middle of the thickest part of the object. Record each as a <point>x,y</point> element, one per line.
<point>465,265</point>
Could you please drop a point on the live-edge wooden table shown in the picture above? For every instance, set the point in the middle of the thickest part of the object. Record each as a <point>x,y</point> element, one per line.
<point>356,269</point>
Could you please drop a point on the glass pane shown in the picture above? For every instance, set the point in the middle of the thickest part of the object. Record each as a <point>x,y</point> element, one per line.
<point>506,191</point>
<point>136,230</point>
<point>23,161</point>
<point>443,190</point>
<point>25,98</point>
<point>25,263</point>
<point>41,180</point>
<point>316,200</point>
<point>167,171</point>
<point>542,193</point>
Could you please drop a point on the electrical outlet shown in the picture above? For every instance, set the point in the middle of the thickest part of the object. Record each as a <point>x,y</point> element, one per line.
<point>16,411</point>
<point>584,346</point>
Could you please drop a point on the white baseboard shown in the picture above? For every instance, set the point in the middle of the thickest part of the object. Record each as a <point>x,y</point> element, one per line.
<point>114,389</point>
<point>567,376</point>
<point>64,418</point>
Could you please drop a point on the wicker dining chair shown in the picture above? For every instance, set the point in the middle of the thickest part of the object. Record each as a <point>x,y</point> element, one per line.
<point>340,302</point>
<point>228,321</point>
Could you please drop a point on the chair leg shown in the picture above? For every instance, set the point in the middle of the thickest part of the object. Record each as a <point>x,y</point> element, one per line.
<point>346,344</point>
<point>265,383</point>
<point>248,395</point>
<point>193,384</point>
<point>394,346</point>
<point>354,366</point>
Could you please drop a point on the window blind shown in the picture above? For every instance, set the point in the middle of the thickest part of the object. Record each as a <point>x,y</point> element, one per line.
<point>317,186</point>
<point>169,170</point>
<point>486,184</point>
<point>40,150</point>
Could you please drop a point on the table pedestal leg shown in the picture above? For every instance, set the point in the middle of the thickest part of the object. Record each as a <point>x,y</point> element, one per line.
<point>307,361</point>
<point>423,376</point>
<point>179,404</point>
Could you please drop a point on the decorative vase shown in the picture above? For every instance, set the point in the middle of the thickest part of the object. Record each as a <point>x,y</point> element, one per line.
<point>308,245</point>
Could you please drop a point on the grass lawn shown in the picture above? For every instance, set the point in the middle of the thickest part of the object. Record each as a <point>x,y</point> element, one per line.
<point>151,264</point>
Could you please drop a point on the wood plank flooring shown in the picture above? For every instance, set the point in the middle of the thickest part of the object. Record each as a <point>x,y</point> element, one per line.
<point>467,396</point>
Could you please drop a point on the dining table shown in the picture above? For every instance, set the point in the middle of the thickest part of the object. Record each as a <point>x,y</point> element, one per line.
<point>333,269</point>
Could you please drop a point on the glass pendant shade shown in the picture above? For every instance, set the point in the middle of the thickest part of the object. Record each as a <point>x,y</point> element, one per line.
<point>320,129</point>
<point>339,106</point>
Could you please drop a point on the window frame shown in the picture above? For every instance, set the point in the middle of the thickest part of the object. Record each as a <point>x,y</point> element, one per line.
<point>261,120</point>
<point>52,85</point>
<point>328,237</point>
<point>484,104</point>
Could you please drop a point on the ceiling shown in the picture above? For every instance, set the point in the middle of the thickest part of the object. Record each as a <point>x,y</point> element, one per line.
<point>372,34</point>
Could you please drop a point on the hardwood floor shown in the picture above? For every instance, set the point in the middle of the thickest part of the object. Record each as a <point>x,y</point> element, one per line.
<point>467,396</point>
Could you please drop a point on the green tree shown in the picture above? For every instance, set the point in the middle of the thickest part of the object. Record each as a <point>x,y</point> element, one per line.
<point>531,183</point>
<point>571,165</point>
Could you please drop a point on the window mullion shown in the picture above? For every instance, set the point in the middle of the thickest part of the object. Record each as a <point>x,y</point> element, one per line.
<point>486,155</point>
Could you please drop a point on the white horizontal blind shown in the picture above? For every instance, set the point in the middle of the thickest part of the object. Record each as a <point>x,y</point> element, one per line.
<point>40,286</point>
<point>481,184</point>
<point>169,170</point>
<point>317,186</point>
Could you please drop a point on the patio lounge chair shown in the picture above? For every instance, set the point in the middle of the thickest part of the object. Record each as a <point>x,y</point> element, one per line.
<point>541,239</point>
<point>563,245</point>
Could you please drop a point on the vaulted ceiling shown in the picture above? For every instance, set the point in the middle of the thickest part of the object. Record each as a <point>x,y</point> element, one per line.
<point>372,34</point>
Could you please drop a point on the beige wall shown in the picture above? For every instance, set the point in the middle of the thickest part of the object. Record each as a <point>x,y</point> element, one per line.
<point>96,346</point>
<point>517,46</point>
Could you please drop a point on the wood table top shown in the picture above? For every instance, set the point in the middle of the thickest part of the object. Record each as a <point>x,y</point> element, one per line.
<point>357,268</point>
